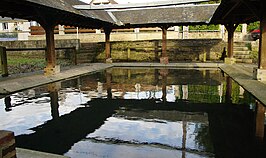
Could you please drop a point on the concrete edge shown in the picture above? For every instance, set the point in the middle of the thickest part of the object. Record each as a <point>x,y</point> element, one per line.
<point>26,153</point>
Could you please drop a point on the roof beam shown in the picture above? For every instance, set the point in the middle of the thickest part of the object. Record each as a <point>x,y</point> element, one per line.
<point>136,5</point>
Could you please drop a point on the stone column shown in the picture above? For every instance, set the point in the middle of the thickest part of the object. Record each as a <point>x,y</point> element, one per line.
<point>51,67</point>
<point>61,29</point>
<point>164,58</point>
<point>230,30</point>
<point>107,32</point>
<point>185,32</point>
<point>260,72</point>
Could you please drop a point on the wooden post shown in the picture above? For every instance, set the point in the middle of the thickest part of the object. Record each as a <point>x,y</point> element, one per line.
<point>260,72</point>
<point>4,67</point>
<point>164,57</point>
<point>51,67</point>
<point>228,95</point>
<point>230,46</point>
<point>107,32</point>
<point>262,48</point>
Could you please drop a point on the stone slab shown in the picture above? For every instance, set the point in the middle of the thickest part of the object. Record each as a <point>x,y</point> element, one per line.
<point>25,153</point>
<point>243,75</point>
<point>14,84</point>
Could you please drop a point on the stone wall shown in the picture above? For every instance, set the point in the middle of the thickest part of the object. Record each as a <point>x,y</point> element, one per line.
<point>178,50</point>
<point>38,44</point>
<point>140,36</point>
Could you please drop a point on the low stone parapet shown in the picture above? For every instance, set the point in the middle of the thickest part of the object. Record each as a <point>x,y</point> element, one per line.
<point>7,145</point>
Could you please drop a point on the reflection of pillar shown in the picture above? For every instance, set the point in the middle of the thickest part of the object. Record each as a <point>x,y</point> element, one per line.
<point>228,94</point>
<point>177,91</point>
<point>164,73</point>
<point>220,91</point>
<point>108,84</point>
<point>260,118</point>
<point>100,89</point>
<point>53,91</point>
<point>184,139</point>
<point>8,103</point>
<point>185,92</point>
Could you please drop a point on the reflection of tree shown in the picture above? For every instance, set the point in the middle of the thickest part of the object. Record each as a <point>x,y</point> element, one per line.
<point>203,138</point>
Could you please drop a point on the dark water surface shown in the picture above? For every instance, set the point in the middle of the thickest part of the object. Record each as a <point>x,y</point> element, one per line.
<point>135,113</point>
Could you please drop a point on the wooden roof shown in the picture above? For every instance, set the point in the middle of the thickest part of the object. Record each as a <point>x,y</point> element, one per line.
<point>175,15</point>
<point>52,11</point>
<point>238,11</point>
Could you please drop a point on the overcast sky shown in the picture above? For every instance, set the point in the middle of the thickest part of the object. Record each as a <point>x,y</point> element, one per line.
<point>128,1</point>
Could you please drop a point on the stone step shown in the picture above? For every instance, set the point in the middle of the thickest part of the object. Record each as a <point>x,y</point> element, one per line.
<point>244,61</point>
<point>242,56</point>
<point>241,52</point>
<point>243,44</point>
<point>238,48</point>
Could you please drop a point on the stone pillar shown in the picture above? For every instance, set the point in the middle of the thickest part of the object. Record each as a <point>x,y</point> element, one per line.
<point>98,31</point>
<point>3,56</point>
<point>164,58</point>
<point>260,72</point>
<point>7,144</point>
<point>51,67</point>
<point>185,32</point>
<point>230,30</point>
<point>107,32</point>
<point>222,30</point>
<point>61,29</point>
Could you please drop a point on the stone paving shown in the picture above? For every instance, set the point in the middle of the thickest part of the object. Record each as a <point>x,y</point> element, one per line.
<point>243,75</point>
<point>14,84</point>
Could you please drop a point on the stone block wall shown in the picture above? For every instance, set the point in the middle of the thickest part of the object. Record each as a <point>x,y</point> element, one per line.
<point>178,50</point>
<point>38,44</point>
<point>7,144</point>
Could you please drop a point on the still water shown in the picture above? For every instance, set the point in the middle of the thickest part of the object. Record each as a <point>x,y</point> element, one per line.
<point>135,113</point>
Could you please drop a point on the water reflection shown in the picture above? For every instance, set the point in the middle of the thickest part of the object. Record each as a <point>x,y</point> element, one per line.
<point>139,112</point>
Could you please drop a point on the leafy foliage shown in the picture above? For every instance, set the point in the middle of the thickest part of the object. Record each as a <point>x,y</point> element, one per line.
<point>204,27</point>
<point>253,26</point>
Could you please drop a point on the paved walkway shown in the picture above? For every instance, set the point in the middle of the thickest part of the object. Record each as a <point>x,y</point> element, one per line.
<point>13,84</point>
<point>243,75</point>
<point>25,153</point>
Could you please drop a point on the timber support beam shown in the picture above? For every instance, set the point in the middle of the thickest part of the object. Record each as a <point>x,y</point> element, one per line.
<point>107,32</point>
<point>260,72</point>
<point>164,57</point>
<point>230,46</point>
<point>51,68</point>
